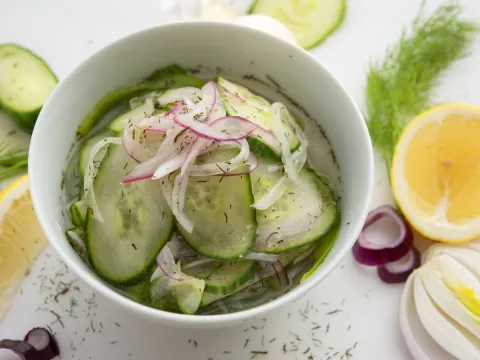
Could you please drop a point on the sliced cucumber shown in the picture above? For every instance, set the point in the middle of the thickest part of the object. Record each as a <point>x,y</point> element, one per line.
<point>303,214</point>
<point>120,96</point>
<point>311,21</point>
<point>14,141</point>
<point>26,81</point>
<point>78,212</point>
<point>220,208</point>
<point>187,293</point>
<point>87,146</point>
<point>76,238</point>
<point>223,277</point>
<point>296,254</point>
<point>137,222</point>
<point>239,101</point>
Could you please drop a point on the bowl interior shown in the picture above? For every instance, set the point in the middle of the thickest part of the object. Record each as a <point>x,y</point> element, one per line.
<point>233,51</point>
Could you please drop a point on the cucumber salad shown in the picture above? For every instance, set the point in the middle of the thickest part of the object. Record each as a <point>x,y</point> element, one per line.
<point>196,197</point>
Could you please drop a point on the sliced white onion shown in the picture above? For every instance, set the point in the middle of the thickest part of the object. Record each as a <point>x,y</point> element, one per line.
<point>77,240</point>
<point>193,95</point>
<point>279,132</point>
<point>170,165</point>
<point>446,333</point>
<point>275,193</point>
<point>223,167</point>
<point>92,172</point>
<point>271,258</point>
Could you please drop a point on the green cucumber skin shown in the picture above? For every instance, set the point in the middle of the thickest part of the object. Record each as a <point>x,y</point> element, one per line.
<point>114,98</point>
<point>84,154</point>
<point>253,221</point>
<point>26,119</point>
<point>78,212</point>
<point>172,69</point>
<point>148,266</point>
<point>324,188</point>
<point>147,270</point>
<point>226,290</point>
<point>338,23</point>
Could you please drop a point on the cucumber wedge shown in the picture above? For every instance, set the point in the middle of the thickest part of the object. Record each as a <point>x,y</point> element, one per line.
<point>14,141</point>
<point>120,96</point>
<point>239,101</point>
<point>137,222</point>
<point>78,212</point>
<point>311,21</point>
<point>26,81</point>
<point>220,208</point>
<point>302,215</point>
<point>223,277</point>
<point>87,146</point>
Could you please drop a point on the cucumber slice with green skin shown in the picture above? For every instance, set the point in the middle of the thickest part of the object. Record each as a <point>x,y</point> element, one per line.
<point>118,124</point>
<point>78,212</point>
<point>87,146</point>
<point>239,101</point>
<point>225,222</point>
<point>120,96</point>
<point>302,215</point>
<point>223,277</point>
<point>76,238</point>
<point>137,222</point>
<point>187,293</point>
<point>26,82</point>
<point>311,21</point>
<point>14,141</point>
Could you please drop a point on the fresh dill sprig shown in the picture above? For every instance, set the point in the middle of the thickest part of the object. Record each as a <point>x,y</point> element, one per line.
<point>400,86</point>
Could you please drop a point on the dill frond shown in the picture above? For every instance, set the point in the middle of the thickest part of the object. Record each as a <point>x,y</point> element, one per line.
<point>400,86</point>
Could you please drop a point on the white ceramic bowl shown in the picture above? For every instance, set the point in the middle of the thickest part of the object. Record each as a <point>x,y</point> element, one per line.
<point>237,50</point>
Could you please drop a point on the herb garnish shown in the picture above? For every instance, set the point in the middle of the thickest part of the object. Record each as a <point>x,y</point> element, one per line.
<point>400,86</point>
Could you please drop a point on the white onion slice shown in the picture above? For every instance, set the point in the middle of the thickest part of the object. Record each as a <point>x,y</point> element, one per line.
<point>271,258</point>
<point>279,132</point>
<point>170,165</point>
<point>91,172</point>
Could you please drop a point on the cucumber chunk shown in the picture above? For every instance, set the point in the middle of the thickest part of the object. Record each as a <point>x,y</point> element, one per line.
<point>223,277</point>
<point>303,214</point>
<point>220,208</point>
<point>14,141</point>
<point>239,101</point>
<point>310,21</point>
<point>87,146</point>
<point>137,222</point>
<point>78,212</point>
<point>118,97</point>
<point>26,81</point>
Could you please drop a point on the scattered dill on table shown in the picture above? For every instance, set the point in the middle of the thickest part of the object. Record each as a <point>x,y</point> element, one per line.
<point>400,86</point>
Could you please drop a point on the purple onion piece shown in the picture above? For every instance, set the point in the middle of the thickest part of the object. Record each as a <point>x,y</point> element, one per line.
<point>18,350</point>
<point>372,254</point>
<point>399,271</point>
<point>44,342</point>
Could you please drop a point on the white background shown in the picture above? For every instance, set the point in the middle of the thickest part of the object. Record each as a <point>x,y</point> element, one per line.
<point>65,32</point>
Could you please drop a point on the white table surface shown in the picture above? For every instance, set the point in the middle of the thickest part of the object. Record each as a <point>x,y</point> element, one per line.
<point>65,32</point>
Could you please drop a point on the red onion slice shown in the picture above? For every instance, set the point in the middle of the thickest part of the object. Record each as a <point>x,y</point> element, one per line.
<point>277,271</point>
<point>212,98</point>
<point>368,253</point>
<point>18,350</point>
<point>166,264</point>
<point>399,271</point>
<point>45,344</point>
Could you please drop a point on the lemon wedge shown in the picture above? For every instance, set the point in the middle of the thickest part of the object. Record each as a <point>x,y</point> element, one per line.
<point>436,173</point>
<point>21,239</point>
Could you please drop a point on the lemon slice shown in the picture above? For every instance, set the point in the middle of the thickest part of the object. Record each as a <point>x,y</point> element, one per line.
<point>436,173</point>
<point>21,239</point>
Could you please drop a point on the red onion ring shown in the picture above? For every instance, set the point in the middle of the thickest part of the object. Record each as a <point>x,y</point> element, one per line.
<point>368,253</point>
<point>399,271</point>
<point>45,344</point>
<point>20,350</point>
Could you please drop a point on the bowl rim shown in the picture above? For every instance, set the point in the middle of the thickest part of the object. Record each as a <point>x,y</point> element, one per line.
<point>103,288</point>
